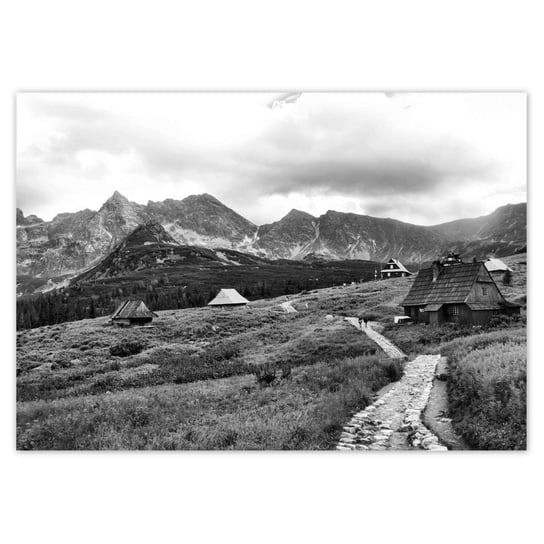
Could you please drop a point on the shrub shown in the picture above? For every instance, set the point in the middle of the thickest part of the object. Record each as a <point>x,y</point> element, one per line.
<point>124,349</point>
<point>269,373</point>
<point>393,370</point>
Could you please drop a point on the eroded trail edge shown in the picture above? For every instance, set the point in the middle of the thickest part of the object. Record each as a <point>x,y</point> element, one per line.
<point>393,422</point>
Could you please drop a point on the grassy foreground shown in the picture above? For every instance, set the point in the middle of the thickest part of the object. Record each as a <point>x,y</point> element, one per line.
<point>305,411</point>
<point>487,389</point>
<point>254,378</point>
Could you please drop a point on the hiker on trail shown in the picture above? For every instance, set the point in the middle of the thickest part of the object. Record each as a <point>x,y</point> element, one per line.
<point>366,321</point>
<point>360,322</point>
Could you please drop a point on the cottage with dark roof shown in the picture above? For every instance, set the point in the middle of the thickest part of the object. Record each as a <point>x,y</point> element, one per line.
<point>394,269</point>
<point>456,292</point>
<point>132,312</point>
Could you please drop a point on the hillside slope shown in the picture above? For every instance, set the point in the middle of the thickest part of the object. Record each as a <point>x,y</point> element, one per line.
<point>197,378</point>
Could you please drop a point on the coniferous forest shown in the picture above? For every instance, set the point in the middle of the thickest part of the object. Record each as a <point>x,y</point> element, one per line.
<point>165,292</point>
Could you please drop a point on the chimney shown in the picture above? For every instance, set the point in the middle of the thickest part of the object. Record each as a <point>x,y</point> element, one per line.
<point>436,270</point>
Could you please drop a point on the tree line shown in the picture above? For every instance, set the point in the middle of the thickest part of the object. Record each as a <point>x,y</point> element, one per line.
<point>90,301</point>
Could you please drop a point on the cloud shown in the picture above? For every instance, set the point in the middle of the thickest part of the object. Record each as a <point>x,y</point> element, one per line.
<point>283,100</point>
<point>361,151</point>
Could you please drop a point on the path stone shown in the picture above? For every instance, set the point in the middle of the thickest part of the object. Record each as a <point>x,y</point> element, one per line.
<point>393,422</point>
<point>390,349</point>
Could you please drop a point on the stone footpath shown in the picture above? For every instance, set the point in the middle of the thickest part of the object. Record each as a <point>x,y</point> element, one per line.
<point>390,349</point>
<point>393,422</point>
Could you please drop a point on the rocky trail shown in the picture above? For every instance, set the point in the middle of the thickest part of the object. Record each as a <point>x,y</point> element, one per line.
<point>394,421</point>
<point>390,349</point>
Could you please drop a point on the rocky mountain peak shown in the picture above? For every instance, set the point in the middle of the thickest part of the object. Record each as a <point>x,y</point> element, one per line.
<point>150,232</point>
<point>204,198</point>
<point>116,200</point>
<point>298,214</point>
<point>20,218</point>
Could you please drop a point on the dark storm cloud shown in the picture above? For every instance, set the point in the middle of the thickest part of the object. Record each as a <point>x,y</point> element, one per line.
<point>332,152</point>
<point>372,176</point>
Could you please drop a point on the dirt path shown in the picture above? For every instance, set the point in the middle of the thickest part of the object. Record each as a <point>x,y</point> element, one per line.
<point>393,422</point>
<point>435,415</point>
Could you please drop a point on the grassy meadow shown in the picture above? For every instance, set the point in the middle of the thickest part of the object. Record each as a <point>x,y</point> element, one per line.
<point>257,377</point>
<point>202,378</point>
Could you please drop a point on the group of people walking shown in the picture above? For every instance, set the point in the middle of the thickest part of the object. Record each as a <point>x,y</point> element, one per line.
<point>363,320</point>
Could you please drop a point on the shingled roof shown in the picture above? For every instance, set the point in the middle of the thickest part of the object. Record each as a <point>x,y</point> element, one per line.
<point>132,309</point>
<point>452,286</point>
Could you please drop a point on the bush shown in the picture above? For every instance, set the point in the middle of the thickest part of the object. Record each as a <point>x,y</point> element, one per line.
<point>269,373</point>
<point>487,390</point>
<point>416,338</point>
<point>393,370</point>
<point>125,349</point>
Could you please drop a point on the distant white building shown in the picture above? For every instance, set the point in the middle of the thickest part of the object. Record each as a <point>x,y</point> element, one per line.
<point>228,298</point>
<point>394,269</point>
<point>496,265</point>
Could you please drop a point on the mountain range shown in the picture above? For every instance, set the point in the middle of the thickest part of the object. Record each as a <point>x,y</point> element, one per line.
<point>72,243</point>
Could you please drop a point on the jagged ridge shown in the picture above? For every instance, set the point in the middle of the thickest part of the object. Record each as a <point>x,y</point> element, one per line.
<point>73,242</point>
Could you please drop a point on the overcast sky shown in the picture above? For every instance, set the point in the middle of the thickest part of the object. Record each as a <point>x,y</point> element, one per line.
<point>424,158</point>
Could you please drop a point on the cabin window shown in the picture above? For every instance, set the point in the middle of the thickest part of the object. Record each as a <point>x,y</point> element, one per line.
<point>453,310</point>
<point>484,291</point>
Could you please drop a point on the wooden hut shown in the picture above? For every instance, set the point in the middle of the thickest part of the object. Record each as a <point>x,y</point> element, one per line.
<point>132,312</point>
<point>394,269</point>
<point>458,293</point>
<point>228,298</point>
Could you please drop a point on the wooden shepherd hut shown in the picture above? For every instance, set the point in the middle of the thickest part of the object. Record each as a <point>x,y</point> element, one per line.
<point>228,298</point>
<point>394,269</point>
<point>132,312</point>
<point>462,293</point>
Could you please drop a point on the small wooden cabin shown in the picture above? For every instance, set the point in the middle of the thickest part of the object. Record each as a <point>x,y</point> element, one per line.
<point>394,269</point>
<point>462,293</point>
<point>228,298</point>
<point>132,312</point>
